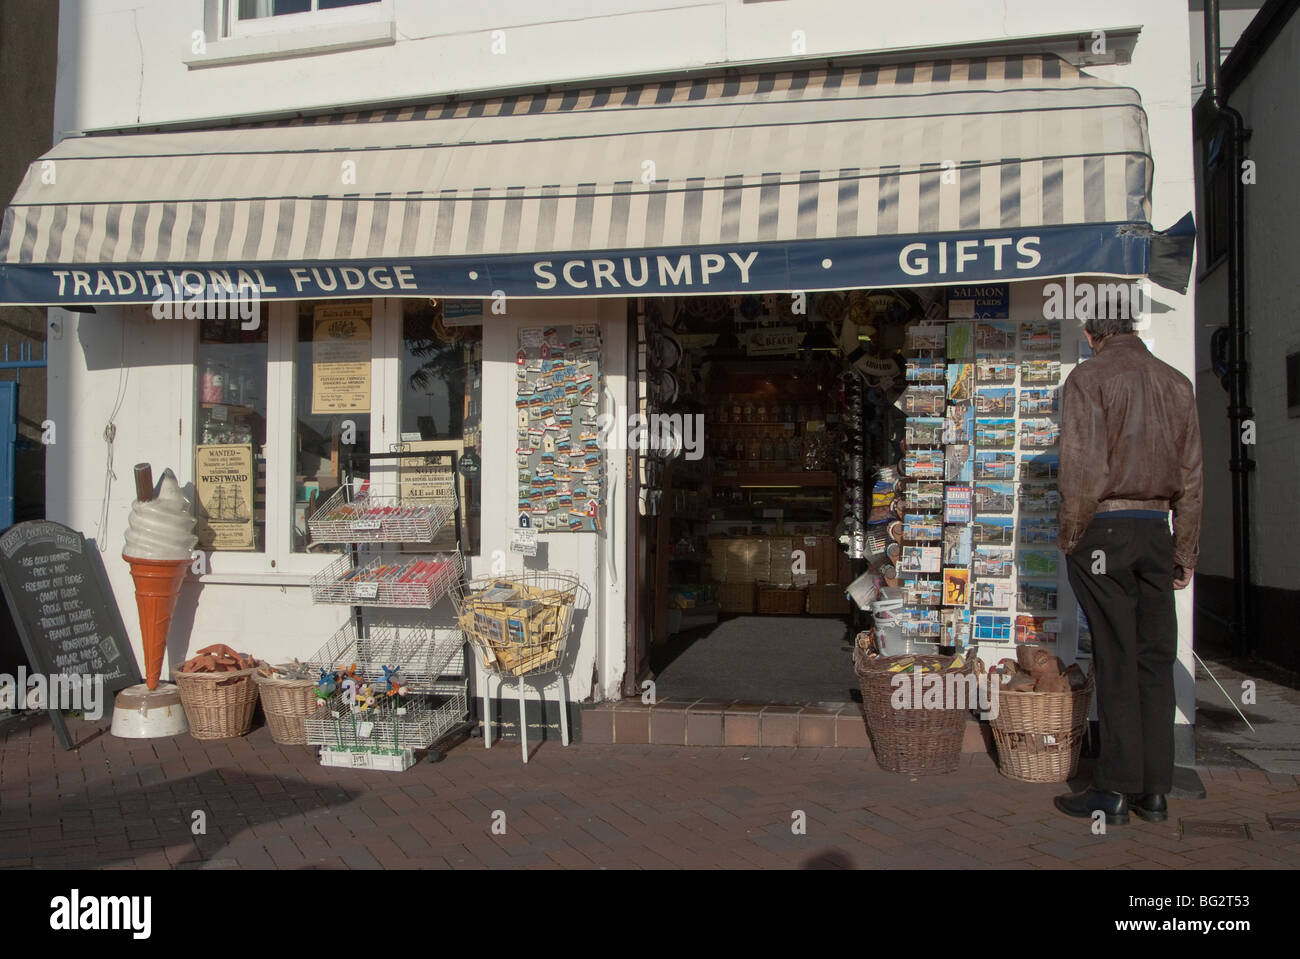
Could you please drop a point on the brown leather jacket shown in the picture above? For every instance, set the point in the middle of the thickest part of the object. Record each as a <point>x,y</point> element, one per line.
<point>1130,440</point>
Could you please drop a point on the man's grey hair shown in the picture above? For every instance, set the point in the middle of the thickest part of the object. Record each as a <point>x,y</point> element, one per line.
<point>1103,326</point>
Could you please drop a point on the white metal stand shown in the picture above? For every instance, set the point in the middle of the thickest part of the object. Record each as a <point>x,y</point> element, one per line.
<point>523,724</point>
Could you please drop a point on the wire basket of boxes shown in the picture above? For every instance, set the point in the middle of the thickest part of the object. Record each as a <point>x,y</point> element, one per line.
<point>401,582</point>
<point>379,696</point>
<point>352,515</point>
<point>519,624</point>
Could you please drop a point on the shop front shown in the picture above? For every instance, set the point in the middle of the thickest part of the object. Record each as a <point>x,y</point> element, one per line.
<point>834,279</point>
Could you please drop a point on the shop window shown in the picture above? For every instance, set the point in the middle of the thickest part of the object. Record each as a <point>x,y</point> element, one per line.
<point>331,428</point>
<point>440,397</point>
<point>1217,184</point>
<point>259,9</point>
<point>230,434</point>
<point>1293,384</point>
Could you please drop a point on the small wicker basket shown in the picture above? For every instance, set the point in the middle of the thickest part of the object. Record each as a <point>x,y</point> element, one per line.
<point>1039,735</point>
<point>218,705</point>
<point>287,704</point>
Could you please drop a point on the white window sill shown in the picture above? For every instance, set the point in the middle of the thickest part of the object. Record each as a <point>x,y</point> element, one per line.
<point>253,579</point>
<point>298,43</point>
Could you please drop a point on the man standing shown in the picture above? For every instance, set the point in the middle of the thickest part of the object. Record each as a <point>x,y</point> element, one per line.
<point>1130,455</point>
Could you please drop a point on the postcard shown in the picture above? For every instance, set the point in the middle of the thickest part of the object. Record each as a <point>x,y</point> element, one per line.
<point>1035,629</point>
<point>995,368</point>
<point>1039,433</point>
<point>961,341</point>
<point>995,402</point>
<point>925,336</point>
<point>1043,466</point>
<point>1038,530</point>
<point>1039,498</point>
<point>961,382</point>
<point>924,400</point>
<point>993,562</point>
<point>924,431</point>
<point>1038,402</point>
<point>957,545</point>
<point>993,335</point>
<point>991,629</point>
<point>995,464</point>
<point>922,592</point>
<point>926,495</point>
<point>995,497</point>
<point>920,527</point>
<point>926,371</point>
<point>1040,371</point>
<point>920,559</point>
<point>1040,336</point>
<point>957,503</point>
<point>1039,597</point>
<point>995,433</point>
<point>959,424</point>
<point>1040,563</point>
<point>994,530</point>
<point>924,464</point>
<point>991,594</point>
<point>956,585</point>
<point>955,628</point>
<point>957,463</point>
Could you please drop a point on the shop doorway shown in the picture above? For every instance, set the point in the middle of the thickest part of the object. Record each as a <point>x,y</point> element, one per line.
<point>754,495</point>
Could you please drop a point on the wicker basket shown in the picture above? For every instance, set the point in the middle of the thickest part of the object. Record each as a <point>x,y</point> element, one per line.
<point>774,600</point>
<point>736,597</point>
<point>218,705</point>
<point>918,741</point>
<point>287,704</point>
<point>1039,735</point>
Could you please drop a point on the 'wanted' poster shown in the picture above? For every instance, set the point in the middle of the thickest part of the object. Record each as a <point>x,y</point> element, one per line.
<point>224,483</point>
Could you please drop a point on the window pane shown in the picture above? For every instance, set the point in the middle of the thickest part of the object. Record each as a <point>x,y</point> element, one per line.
<point>230,435</point>
<point>330,4</point>
<point>442,378</point>
<point>332,423</point>
<point>252,9</point>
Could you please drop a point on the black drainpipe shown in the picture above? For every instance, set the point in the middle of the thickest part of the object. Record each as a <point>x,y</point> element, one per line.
<point>1239,463</point>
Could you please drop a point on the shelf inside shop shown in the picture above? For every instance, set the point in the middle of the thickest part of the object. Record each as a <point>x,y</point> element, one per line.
<point>795,479</point>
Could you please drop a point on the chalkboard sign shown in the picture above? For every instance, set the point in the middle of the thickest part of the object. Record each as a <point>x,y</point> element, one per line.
<point>64,613</point>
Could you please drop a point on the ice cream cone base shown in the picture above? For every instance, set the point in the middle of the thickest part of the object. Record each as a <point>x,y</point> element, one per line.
<point>157,587</point>
<point>143,713</point>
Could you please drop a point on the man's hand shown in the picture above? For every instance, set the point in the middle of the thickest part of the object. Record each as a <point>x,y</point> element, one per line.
<point>1181,577</point>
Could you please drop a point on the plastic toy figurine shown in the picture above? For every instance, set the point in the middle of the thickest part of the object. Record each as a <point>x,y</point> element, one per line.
<point>326,685</point>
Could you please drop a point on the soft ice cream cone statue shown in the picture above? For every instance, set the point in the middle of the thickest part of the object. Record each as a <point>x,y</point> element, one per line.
<point>159,539</point>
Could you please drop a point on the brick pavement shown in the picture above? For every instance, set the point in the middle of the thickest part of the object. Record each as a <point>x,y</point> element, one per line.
<point>131,804</point>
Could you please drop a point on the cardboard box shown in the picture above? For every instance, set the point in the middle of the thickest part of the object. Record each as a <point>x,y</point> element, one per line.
<point>740,559</point>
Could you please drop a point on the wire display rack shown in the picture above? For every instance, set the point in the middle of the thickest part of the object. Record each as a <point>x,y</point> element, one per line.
<point>337,584</point>
<point>387,729</point>
<point>417,655</point>
<point>350,516</point>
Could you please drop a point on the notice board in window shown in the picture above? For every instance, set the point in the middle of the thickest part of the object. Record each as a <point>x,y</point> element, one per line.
<point>559,455</point>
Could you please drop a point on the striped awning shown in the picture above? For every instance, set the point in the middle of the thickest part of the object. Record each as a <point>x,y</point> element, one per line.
<point>937,172</point>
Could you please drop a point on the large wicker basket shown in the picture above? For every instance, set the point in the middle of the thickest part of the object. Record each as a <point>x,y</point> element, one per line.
<point>916,741</point>
<point>218,705</point>
<point>1039,735</point>
<point>287,704</point>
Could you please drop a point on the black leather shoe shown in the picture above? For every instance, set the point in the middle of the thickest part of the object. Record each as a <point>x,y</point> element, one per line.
<point>1083,805</point>
<point>1149,806</point>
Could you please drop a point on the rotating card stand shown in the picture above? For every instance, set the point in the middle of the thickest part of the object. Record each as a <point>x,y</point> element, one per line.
<point>429,660</point>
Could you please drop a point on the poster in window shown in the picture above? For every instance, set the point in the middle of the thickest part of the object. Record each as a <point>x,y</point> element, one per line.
<point>340,359</point>
<point>224,479</point>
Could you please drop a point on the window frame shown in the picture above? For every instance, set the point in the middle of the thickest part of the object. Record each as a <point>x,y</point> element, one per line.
<point>232,25</point>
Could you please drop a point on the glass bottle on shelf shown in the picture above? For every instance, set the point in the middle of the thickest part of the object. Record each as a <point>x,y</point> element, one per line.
<point>723,412</point>
<point>765,450</point>
<point>737,412</point>
<point>755,449</point>
<point>760,412</point>
<point>748,411</point>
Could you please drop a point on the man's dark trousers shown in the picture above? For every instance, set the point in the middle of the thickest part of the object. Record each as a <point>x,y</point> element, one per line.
<point>1122,574</point>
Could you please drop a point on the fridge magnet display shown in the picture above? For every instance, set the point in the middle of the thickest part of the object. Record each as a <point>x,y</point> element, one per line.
<point>920,559</point>
<point>995,336</point>
<point>922,431</point>
<point>918,527</point>
<point>1039,498</point>
<point>959,424</point>
<point>957,464</point>
<point>926,371</point>
<point>994,530</point>
<point>957,504</point>
<point>995,402</point>
<point>995,368</point>
<point>1047,372</point>
<point>1038,402</point>
<point>957,545</point>
<point>926,336</point>
<point>956,586</point>
<point>995,464</point>
<point>994,433</point>
<point>922,592</point>
<point>1040,563</point>
<point>924,400</point>
<point>995,497</point>
<point>955,628</point>
<point>1036,630</point>
<point>1040,336</point>
<point>993,562</point>
<point>1038,530</point>
<point>991,594</point>
<point>924,464</point>
<point>927,495</point>
<point>991,629</point>
<point>961,341</point>
<point>961,382</point>
<point>1039,597</point>
<point>1039,434</point>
